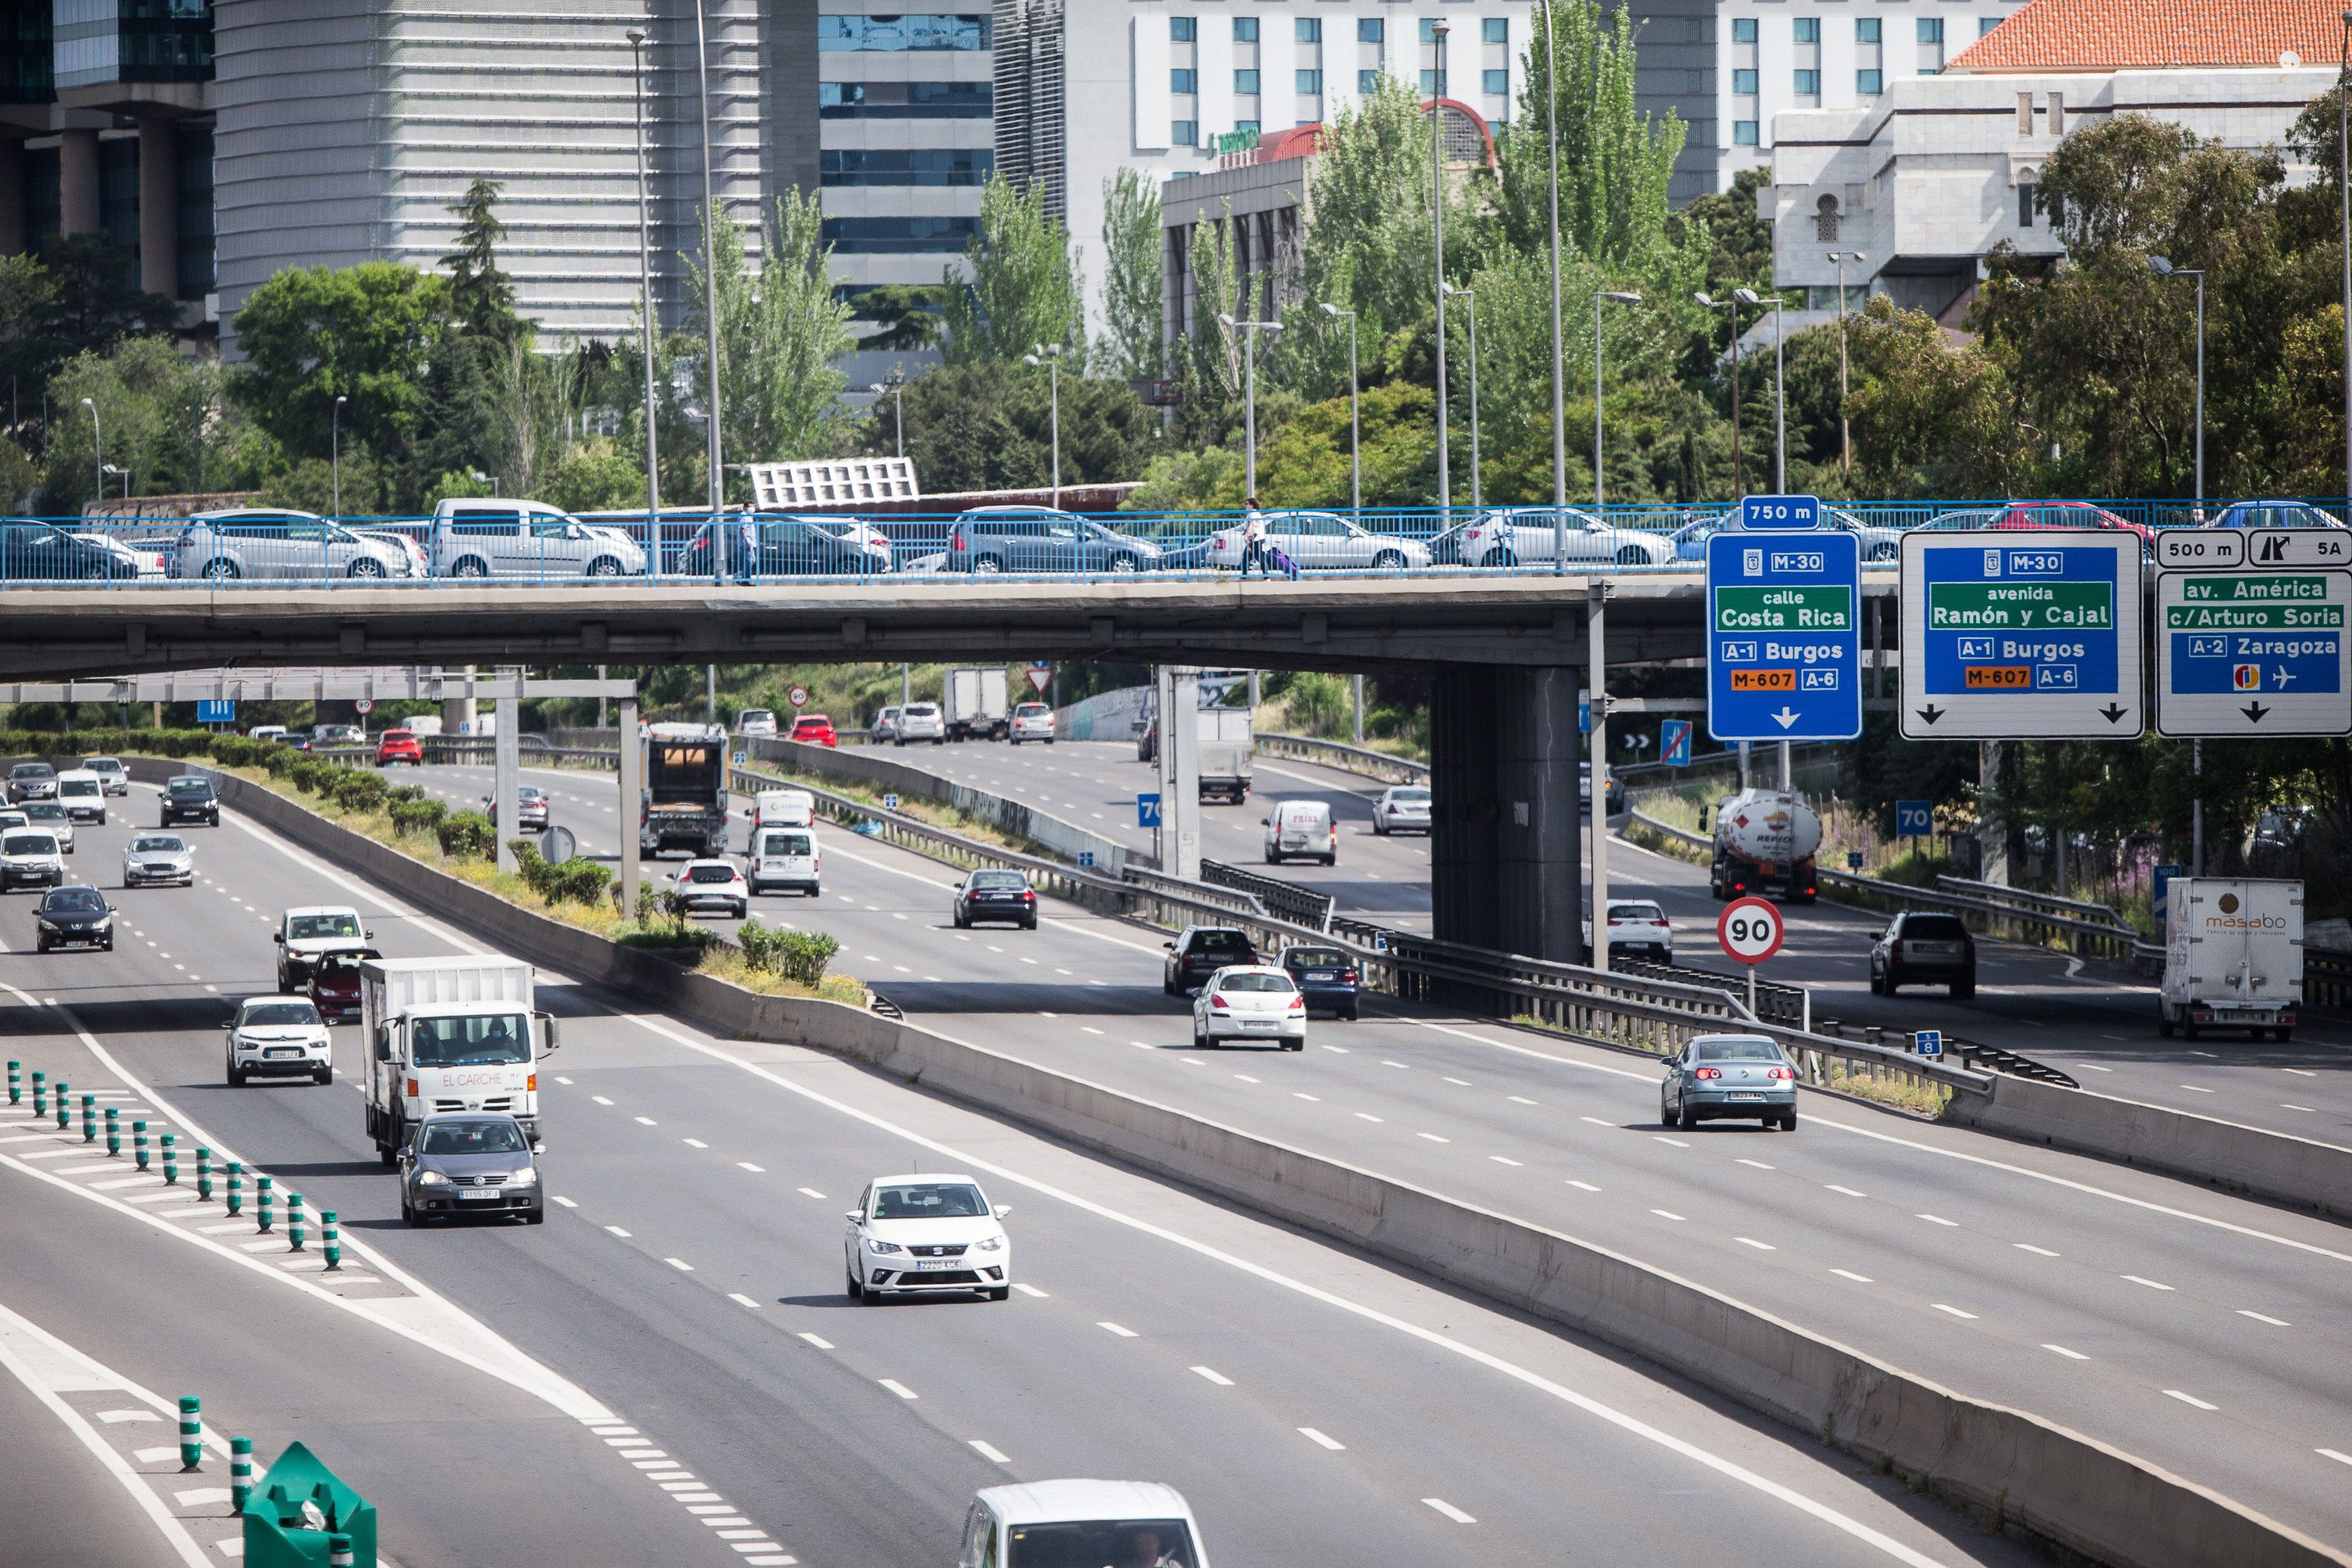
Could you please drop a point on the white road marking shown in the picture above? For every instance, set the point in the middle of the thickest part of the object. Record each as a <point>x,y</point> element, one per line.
<point>2336,1454</point>
<point>1586,1187</point>
<point>1449,1510</point>
<point>1213,1375</point>
<point>818,1340</point>
<point>681,1264</point>
<point>747,1166</point>
<point>1505,1160</point>
<point>1759,1164</point>
<point>900,1389</point>
<point>1759,1246</point>
<point>1027,1289</point>
<point>696,1144</point>
<point>1124,1333</point>
<point>2264,1317</point>
<point>990,1452</point>
<point>1521,1099</point>
<point>1433,1137</point>
<point>1953,1310</point>
<point>1368,1116</point>
<point>567,1203</point>
<point>616,1230</point>
<point>600,1100</point>
<point>2151,1284</point>
<point>1937,1219</point>
<point>1849,1274</point>
<point>647,1122</point>
<point>742,1300</point>
<point>1666,1213</point>
<point>812,1192</point>
<point>1664,1139</point>
<point>2037,1251</point>
<point>2070,1356</point>
<point>2190,1399</point>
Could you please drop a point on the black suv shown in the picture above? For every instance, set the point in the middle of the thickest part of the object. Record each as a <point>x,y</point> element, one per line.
<point>1199,951</point>
<point>190,799</point>
<point>1917,947</point>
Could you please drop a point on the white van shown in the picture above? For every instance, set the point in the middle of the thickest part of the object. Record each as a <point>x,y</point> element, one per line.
<point>786,858</point>
<point>1302,831</point>
<point>783,809</point>
<point>1056,1523</point>
<point>83,794</point>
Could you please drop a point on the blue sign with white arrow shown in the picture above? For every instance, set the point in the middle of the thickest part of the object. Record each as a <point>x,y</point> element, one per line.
<point>1674,742</point>
<point>1915,819</point>
<point>1783,635</point>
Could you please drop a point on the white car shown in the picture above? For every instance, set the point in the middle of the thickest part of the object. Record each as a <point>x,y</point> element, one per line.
<point>712,883</point>
<point>1320,542</point>
<point>926,1235</point>
<point>922,722</point>
<point>1401,808</point>
<point>112,775</point>
<point>783,809</point>
<point>1250,1002</point>
<point>756,721</point>
<point>1640,929</point>
<point>1033,722</point>
<point>1301,830</point>
<point>789,860</point>
<point>886,724</point>
<point>273,1034</point>
<point>151,859</point>
<point>83,794</point>
<point>1081,1522</point>
<point>50,817</point>
<point>1525,535</point>
<point>304,934</point>
<point>29,858</point>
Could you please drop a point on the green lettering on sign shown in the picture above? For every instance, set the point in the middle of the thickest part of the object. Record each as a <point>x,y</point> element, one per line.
<point>1817,607</point>
<point>1242,141</point>
<point>2015,606</point>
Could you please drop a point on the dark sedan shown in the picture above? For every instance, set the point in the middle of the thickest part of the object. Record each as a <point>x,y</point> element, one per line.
<point>74,917</point>
<point>34,550</point>
<point>1199,951</point>
<point>789,547</point>
<point>1325,977</point>
<point>995,896</point>
<point>190,799</point>
<point>469,1163</point>
<point>1922,947</point>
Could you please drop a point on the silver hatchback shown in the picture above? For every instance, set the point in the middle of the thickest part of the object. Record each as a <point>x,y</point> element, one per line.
<point>1717,1076</point>
<point>262,543</point>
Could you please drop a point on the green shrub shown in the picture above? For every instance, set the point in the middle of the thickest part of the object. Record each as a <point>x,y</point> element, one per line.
<point>581,880</point>
<point>358,789</point>
<point>466,835</point>
<point>796,955</point>
<point>416,816</point>
<point>403,792</point>
<point>280,762</point>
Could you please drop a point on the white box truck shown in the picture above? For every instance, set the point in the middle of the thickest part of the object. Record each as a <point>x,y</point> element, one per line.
<point>449,1033</point>
<point>975,705</point>
<point>2232,956</point>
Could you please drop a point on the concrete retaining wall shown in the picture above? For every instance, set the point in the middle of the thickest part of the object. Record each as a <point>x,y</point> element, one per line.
<point>2058,1484</point>
<point>2179,1142</point>
<point>868,766</point>
<point>1105,716</point>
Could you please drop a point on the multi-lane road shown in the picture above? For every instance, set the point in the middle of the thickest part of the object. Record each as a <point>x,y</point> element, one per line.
<point>669,1370</point>
<point>2194,1329</point>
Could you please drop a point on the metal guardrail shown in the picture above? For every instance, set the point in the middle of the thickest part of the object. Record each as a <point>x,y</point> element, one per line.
<point>1287,900</point>
<point>1343,758</point>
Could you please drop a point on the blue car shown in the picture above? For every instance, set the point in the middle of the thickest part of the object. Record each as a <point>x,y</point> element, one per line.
<point>2275,514</point>
<point>1325,977</point>
<point>1718,1076</point>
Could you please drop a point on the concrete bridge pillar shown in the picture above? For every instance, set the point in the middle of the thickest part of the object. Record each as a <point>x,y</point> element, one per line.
<point>1507,847</point>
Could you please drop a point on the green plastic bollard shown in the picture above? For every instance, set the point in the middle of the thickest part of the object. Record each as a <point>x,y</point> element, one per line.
<point>262,1198</point>
<point>331,1239</point>
<point>338,1552</point>
<point>170,1161</point>
<point>294,1222</point>
<point>113,1132</point>
<point>192,1433</point>
<point>89,1119</point>
<point>236,1188</point>
<point>65,1108</point>
<point>204,1174</point>
<point>240,1472</point>
<point>16,1083</point>
<point>40,1094</point>
<point>138,1143</point>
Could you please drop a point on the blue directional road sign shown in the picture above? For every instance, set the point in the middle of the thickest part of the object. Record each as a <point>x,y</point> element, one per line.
<point>1674,742</point>
<point>1914,819</point>
<point>2160,892</point>
<point>2021,634</point>
<point>1147,811</point>
<point>222,712</point>
<point>1784,638</point>
<point>2250,635</point>
<point>1927,1042</point>
<point>1760,513</point>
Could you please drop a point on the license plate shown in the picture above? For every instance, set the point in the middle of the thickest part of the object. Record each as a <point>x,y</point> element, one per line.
<point>1934,950</point>
<point>1257,1023</point>
<point>284,1054</point>
<point>930,1265</point>
<point>1743,1094</point>
<point>1321,975</point>
<point>479,1195</point>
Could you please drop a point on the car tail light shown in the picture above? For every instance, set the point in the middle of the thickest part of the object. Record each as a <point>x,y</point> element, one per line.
<point>955,539</point>
<point>1660,924</point>
<point>1709,1072</point>
<point>1894,949</point>
<point>1028,898</point>
<point>1811,892</point>
<point>1298,1003</point>
<point>1218,1000</point>
<point>1778,1073</point>
<point>2287,1017</point>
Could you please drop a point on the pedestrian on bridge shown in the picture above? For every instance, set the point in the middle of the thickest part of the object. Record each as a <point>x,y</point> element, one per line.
<point>1254,541</point>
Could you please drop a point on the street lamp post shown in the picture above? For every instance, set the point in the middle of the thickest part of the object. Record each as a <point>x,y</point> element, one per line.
<point>1249,396</point>
<point>1438,31</point>
<point>1051,358</point>
<point>709,289</point>
<point>645,307</point>
<point>1738,463</point>
<point>2163,268</point>
<point>1559,362</point>
<point>335,450</point>
<point>1780,387</point>
<point>1600,492</point>
<point>96,448</point>
<point>898,392</point>
<point>1845,430</point>
<point>1355,426</point>
<point>123,474</point>
<point>1472,296</point>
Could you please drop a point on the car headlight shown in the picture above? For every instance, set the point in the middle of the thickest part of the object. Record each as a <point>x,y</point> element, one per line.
<point>431,1179</point>
<point>883,1247</point>
<point>47,924</point>
<point>526,1177</point>
<point>993,1244</point>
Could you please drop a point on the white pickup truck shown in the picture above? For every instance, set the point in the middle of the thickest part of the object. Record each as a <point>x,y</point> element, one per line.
<point>448,1033</point>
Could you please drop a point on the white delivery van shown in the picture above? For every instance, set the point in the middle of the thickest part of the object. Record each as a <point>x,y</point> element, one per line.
<point>1080,1522</point>
<point>1302,831</point>
<point>783,809</point>
<point>787,858</point>
<point>2232,956</point>
<point>448,1033</point>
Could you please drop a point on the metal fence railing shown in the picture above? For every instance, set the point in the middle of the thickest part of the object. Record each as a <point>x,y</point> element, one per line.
<point>276,548</point>
<point>1287,900</point>
<point>1342,757</point>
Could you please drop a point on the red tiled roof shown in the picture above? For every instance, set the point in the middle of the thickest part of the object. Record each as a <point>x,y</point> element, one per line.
<point>2145,34</point>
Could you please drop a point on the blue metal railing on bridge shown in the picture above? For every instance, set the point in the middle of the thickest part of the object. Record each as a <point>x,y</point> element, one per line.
<point>279,548</point>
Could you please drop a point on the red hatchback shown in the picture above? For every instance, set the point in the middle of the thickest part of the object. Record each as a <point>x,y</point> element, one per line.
<point>816,730</point>
<point>399,746</point>
<point>2071,514</point>
<point>335,982</point>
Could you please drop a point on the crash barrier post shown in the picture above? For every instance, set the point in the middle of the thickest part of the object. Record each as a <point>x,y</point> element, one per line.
<point>113,1132</point>
<point>204,1174</point>
<point>331,1239</point>
<point>89,1119</point>
<point>16,1083</point>
<point>65,1105</point>
<point>138,1143</point>
<point>240,1472</point>
<point>262,1199</point>
<point>236,1188</point>
<point>171,1160</point>
<point>192,1433</point>
<point>40,1094</point>
<point>294,1222</point>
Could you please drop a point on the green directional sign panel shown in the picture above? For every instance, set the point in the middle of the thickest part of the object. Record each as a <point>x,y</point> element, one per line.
<point>2244,649</point>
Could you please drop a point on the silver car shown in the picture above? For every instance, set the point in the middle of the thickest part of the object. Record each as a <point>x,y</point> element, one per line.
<point>152,860</point>
<point>264,543</point>
<point>1527,535</point>
<point>1320,542</point>
<point>521,539</point>
<point>1401,808</point>
<point>1718,1076</point>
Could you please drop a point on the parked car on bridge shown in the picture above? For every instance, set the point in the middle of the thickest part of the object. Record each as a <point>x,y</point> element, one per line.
<point>1320,542</point>
<point>2040,515</point>
<point>276,545</point>
<point>1716,1078</point>
<point>1516,536</point>
<point>526,540</point>
<point>761,546</point>
<point>993,539</point>
<point>399,746</point>
<point>2275,514</point>
<point>1874,541</point>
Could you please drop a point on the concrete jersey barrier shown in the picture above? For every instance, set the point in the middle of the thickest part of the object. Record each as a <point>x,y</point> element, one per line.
<point>2058,1484</point>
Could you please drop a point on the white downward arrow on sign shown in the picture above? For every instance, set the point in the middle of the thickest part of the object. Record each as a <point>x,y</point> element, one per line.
<point>1785,717</point>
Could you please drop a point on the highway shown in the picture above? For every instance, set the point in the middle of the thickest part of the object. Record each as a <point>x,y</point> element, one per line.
<point>681,1314</point>
<point>2193,1328</point>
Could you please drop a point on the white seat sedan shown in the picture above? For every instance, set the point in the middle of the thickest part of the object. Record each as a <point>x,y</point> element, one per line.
<point>926,1235</point>
<point>1250,1002</point>
<point>1527,535</point>
<point>1321,541</point>
<point>158,857</point>
<point>713,884</point>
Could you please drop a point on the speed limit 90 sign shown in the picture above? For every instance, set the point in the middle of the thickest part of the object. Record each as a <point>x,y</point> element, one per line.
<point>1750,930</point>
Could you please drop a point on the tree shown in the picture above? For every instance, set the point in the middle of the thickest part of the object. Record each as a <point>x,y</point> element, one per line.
<point>1132,285</point>
<point>905,315</point>
<point>1369,248</point>
<point>1024,288</point>
<point>780,333</point>
<point>151,402</point>
<point>595,475</point>
<point>1928,420</point>
<point>988,426</point>
<point>1735,244</point>
<point>366,332</point>
<point>481,297</point>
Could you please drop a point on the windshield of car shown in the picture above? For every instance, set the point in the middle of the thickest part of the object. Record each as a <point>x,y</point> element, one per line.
<point>344,959</point>
<point>999,880</point>
<point>103,764</point>
<point>73,901</point>
<point>32,770</point>
<point>710,873</point>
<point>922,710</point>
<point>1256,983</point>
<point>1314,958</point>
<point>1093,1544</point>
<point>1636,913</point>
<point>1739,1050</point>
<point>191,786</point>
<point>77,786</point>
<point>1935,928</point>
<point>279,1013</point>
<point>928,1200</point>
<point>530,793</point>
<point>1221,941</point>
<point>156,844</point>
<point>498,1039</point>
<point>785,844</point>
<point>473,1138</point>
<point>1032,709</point>
<point>1410,796</point>
<point>28,844</point>
<point>311,928</point>
<point>756,716</point>
<point>43,811</point>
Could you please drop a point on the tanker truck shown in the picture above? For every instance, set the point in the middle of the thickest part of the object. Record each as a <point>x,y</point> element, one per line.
<point>1764,844</point>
